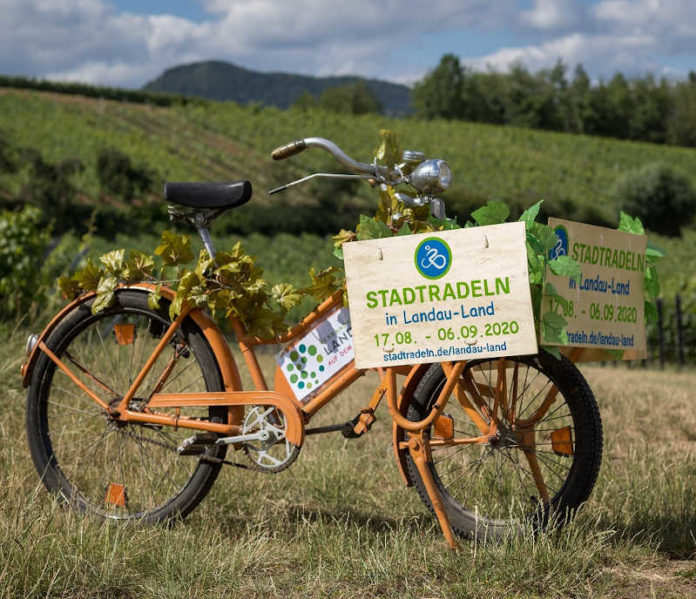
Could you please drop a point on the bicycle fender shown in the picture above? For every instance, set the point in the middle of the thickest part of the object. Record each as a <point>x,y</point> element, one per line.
<point>223,354</point>
<point>398,434</point>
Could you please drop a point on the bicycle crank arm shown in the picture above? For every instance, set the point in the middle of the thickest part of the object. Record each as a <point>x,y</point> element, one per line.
<point>200,442</point>
<point>260,436</point>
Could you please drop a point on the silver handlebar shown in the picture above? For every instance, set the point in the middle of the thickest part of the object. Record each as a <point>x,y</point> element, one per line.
<point>344,159</point>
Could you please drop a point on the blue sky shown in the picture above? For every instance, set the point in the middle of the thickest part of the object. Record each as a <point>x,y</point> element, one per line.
<point>126,42</point>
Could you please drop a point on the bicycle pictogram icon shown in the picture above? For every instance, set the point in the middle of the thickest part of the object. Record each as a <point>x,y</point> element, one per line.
<point>433,258</point>
<point>561,247</point>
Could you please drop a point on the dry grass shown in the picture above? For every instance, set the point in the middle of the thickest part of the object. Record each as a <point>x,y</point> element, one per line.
<point>340,522</point>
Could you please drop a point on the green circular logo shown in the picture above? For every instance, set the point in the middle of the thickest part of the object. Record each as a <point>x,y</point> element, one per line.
<point>433,258</point>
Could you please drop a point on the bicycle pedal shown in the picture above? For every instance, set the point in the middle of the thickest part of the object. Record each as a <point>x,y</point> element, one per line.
<point>196,444</point>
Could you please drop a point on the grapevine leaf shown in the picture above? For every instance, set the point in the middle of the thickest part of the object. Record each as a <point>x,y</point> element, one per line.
<point>265,323</point>
<point>530,214</point>
<point>551,292</point>
<point>653,251</point>
<point>493,213</point>
<point>205,264</point>
<point>653,254</point>
<point>343,237</point>
<point>536,300</point>
<point>553,328</point>
<point>286,295</point>
<point>443,224</point>
<point>389,151</point>
<point>652,282</point>
<point>113,262</point>
<point>545,235</point>
<point>88,276</point>
<point>183,293</point>
<point>154,297</point>
<point>369,228</point>
<point>174,249</point>
<point>389,205</point>
<point>536,268</point>
<point>554,351</point>
<point>404,230</point>
<point>69,287</point>
<point>323,283</point>
<point>630,225</point>
<point>105,294</point>
<point>139,266</point>
<point>566,267</point>
<point>651,315</point>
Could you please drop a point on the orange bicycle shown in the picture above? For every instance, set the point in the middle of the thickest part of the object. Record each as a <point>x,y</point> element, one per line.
<point>130,413</point>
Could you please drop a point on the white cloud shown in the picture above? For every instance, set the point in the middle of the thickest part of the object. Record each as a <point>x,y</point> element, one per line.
<point>90,40</point>
<point>632,36</point>
<point>552,15</point>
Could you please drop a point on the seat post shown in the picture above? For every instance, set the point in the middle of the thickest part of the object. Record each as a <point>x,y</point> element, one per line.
<point>207,241</point>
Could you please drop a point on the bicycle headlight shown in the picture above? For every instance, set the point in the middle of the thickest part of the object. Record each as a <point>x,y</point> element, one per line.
<point>432,176</point>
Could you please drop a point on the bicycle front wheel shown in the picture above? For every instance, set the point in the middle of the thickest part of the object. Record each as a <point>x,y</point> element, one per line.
<point>542,461</point>
<point>112,469</point>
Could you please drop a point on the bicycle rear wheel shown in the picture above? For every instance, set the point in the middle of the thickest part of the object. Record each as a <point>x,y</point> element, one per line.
<point>112,469</point>
<point>539,467</point>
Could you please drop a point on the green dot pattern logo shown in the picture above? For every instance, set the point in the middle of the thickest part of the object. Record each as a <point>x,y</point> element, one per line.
<point>300,369</point>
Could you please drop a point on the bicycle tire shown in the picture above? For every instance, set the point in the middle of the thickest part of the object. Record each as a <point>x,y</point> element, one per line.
<point>491,503</point>
<point>127,471</point>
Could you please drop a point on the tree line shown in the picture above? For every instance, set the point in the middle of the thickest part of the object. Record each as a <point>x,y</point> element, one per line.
<point>641,108</point>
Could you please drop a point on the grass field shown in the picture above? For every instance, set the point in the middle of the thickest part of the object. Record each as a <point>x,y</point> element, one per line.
<point>339,522</point>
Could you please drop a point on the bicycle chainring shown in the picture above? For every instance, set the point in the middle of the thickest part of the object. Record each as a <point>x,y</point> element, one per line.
<point>276,453</point>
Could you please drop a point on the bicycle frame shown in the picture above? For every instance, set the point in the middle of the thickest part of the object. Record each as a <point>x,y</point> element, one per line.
<point>297,414</point>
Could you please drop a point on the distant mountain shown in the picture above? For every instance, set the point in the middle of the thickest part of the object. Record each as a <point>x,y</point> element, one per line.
<point>217,80</point>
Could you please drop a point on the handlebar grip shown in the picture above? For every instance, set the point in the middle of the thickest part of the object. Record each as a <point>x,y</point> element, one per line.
<point>294,147</point>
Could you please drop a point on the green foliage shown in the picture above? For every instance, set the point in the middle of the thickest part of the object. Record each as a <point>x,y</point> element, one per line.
<point>439,94</point>
<point>659,195</point>
<point>117,175</point>
<point>93,91</point>
<point>23,247</point>
<point>305,102</point>
<point>231,285</point>
<point>50,185</point>
<point>354,98</point>
<point>493,213</point>
<point>641,108</point>
<point>653,255</point>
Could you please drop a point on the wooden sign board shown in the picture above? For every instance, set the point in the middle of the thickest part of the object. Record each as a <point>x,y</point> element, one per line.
<point>440,297</point>
<point>606,307</point>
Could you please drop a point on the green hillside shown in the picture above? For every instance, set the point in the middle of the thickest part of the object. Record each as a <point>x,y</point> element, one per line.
<point>217,141</point>
<point>218,80</point>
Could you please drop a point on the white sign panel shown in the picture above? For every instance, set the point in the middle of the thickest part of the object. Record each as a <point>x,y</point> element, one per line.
<point>605,307</point>
<point>316,357</point>
<point>445,296</point>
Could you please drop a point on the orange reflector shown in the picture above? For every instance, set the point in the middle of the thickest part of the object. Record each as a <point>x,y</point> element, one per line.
<point>116,494</point>
<point>444,427</point>
<point>125,333</point>
<point>562,442</point>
